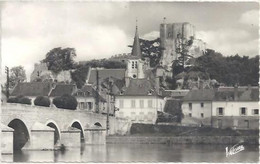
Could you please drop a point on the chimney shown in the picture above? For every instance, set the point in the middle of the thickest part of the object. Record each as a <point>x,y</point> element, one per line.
<point>236,92</point>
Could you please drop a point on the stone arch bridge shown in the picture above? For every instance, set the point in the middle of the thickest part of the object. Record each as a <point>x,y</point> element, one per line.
<point>39,128</point>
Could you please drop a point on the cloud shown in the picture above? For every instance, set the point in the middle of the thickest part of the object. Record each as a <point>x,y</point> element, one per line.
<point>230,41</point>
<point>250,18</point>
<point>30,31</point>
<point>151,35</point>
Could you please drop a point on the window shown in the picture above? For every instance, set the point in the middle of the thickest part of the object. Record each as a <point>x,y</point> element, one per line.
<point>202,115</point>
<point>190,106</point>
<point>255,111</point>
<point>243,111</point>
<point>220,111</point>
<point>201,105</point>
<point>150,103</point>
<point>141,103</point>
<point>121,103</point>
<point>133,64</point>
<point>133,103</point>
<point>90,105</point>
<point>190,115</point>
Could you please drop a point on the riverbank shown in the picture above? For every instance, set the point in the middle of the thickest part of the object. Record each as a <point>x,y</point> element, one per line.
<point>226,140</point>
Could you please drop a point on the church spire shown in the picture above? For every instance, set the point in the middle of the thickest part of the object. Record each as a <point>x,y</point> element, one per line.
<point>136,49</point>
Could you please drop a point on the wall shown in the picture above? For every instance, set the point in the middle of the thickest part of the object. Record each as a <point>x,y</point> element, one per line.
<point>236,122</point>
<point>137,113</point>
<point>225,140</point>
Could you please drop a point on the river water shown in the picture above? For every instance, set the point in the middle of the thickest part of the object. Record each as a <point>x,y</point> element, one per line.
<point>138,153</point>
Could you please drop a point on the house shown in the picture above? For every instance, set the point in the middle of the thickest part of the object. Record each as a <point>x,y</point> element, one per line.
<point>87,99</point>
<point>197,107</point>
<point>139,102</point>
<point>236,108</point>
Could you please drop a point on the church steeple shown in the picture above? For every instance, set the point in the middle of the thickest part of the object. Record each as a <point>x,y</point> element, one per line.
<point>136,50</point>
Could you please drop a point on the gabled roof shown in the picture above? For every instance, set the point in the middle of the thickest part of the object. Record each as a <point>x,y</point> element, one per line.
<point>227,94</point>
<point>140,87</point>
<point>243,94</point>
<point>200,95</point>
<point>105,73</point>
<point>89,91</point>
<point>62,89</point>
<point>32,89</point>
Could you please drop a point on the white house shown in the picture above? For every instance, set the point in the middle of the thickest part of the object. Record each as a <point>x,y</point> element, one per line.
<point>139,102</point>
<point>236,108</point>
<point>196,107</point>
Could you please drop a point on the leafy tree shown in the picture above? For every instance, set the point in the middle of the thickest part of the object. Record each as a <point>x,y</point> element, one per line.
<point>152,50</point>
<point>17,74</point>
<point>59,59</point>
<point>65,102</point>
<point>79,75</point>
<point>42,101</point>
<point>173,107</point>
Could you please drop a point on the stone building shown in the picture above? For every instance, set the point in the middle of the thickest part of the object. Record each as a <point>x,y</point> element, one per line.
<point>172,35</point>
<point>42,74</point>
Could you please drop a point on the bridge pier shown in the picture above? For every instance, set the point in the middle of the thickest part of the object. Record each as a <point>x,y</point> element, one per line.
<point>42,138</point>
<point>95,135</point>
<point>6,139</point>
<point>70,138</point>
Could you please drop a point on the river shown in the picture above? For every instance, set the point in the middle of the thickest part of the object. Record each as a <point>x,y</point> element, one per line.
<point>138,153</point>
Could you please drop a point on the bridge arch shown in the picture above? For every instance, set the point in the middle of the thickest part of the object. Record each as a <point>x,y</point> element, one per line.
<point>57,134</point>
<point>21,133</point>
<point>77,124</point>
<point>98,124</point>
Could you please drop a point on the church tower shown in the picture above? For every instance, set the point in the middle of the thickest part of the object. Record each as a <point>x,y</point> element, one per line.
<point>135,65</point>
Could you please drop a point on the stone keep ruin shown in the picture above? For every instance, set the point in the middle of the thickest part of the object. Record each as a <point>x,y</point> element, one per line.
<point>170,42</point>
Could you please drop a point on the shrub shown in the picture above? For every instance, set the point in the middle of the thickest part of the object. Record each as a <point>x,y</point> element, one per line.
<point>42,101</point>
<point>13,100</point>
<point>25,100</point>
<point>20,99</point>
<point>66,102</point>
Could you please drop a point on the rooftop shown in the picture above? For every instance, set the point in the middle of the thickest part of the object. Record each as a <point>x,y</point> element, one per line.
<point>105,73</point>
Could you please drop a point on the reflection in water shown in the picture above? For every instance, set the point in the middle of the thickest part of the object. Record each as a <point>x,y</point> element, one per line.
<point>140,153</point>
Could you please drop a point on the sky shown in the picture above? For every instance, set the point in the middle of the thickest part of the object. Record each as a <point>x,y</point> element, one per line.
<point>29,30</point>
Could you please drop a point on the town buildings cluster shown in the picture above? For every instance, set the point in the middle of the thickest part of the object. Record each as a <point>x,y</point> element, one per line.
<point>135,94</point>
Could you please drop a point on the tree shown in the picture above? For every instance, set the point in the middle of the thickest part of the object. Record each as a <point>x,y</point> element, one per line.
<point>173,107</point>
<point>59,59</point>
<point>42,101</point>
<point>182,48</point>
<point>65,102</point>
<point>17,74</point>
